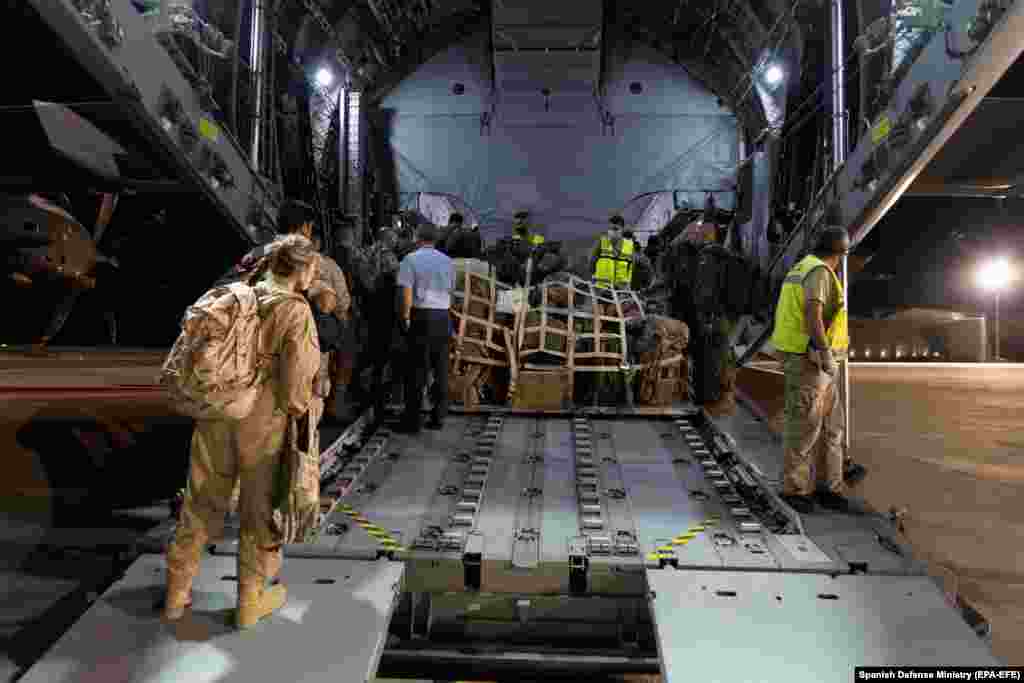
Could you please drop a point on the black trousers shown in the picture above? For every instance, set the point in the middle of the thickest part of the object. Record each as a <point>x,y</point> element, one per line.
<point>429,333</point>
<point>383,334</point>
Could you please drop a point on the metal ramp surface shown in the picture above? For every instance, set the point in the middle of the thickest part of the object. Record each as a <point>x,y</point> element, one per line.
<point>531,495</point>
<point>740,627</point>
<point>552,540</point>
<point>866,540</point>
<point>333,628</point>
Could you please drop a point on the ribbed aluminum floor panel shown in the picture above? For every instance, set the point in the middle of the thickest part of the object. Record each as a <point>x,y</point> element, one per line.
<point>866,539</point>
<point>733,627</point>
<point>530,492</point>
<point>333,628</point>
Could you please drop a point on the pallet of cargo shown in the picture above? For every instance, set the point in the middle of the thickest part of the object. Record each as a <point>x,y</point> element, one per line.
<point>580,324</point>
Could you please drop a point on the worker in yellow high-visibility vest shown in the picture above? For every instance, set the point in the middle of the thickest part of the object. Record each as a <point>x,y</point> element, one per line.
<point>614,256</point>
<point>521,230</point>
<point>811,331</point>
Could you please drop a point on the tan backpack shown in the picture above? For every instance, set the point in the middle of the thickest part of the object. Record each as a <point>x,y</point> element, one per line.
<point>215,370</point>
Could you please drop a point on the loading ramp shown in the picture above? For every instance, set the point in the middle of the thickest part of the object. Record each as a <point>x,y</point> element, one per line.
<point>527,543</point>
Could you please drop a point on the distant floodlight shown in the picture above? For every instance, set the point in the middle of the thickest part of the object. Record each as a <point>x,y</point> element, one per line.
<point>324,78</point>
<point>994,276</point>
<point>774,74</point>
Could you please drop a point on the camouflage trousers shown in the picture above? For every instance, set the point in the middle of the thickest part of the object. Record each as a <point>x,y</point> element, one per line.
<point>322,389</point>
<point>247,451</point>
<point>812,437</point>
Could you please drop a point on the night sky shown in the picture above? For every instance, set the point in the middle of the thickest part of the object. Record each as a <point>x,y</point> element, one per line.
<point>931,248</point>
<point>927,250</point>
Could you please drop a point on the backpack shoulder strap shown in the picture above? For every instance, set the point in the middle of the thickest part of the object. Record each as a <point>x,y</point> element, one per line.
<point>270,299</point>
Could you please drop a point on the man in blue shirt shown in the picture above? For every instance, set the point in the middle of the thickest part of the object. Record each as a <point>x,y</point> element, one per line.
<point>427,278</point>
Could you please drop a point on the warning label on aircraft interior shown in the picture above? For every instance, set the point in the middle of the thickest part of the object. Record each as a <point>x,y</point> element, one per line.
<point>938,673</point>
<point>208,129</point>
<point>881,130</point>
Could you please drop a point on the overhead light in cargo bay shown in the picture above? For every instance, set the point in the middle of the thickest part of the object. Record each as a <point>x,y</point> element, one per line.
<point>324,78</point>
<point>774,74</point>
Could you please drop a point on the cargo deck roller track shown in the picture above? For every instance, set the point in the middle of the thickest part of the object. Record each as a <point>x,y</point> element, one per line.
<point>531,493</point>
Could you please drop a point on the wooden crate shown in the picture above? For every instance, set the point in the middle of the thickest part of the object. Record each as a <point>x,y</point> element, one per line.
<point>474,309</point>
<point>666,392</point>
<point>483,340</point>
<point>663,381</point>
<point>542,390</point>
<point>462,387</point>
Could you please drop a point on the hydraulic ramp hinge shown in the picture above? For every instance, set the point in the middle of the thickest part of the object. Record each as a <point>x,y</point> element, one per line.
<point>579,566</point>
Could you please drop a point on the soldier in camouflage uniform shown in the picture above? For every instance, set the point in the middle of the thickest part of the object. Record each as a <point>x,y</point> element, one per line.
<point>383,316</point>
<point>330,294</point>
<point>329,291</point>
<point>250,449</point>
<point>360,270</point>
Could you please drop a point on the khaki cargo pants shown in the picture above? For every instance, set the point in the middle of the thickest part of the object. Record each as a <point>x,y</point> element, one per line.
<point>248,451</point>
<point>813,432</point>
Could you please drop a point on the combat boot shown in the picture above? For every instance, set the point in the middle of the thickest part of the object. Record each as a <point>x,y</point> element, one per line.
<point>802,504</point>
<point>854,473</point>
<point>182,566</point>
<point>255,599</point>
<point>830,500</point>
<point>179,595</point>
<point>256,602</point>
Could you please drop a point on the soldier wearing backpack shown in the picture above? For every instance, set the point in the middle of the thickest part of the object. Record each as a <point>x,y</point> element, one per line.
<point>244,367</point>
<point>294,218</point>
<point>331,298</point>
<point>332,305</point>
<point>382,319</point>
<point>460,241</point>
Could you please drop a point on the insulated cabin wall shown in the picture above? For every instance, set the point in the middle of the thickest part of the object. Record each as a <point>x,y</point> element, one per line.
<point>553,156</point>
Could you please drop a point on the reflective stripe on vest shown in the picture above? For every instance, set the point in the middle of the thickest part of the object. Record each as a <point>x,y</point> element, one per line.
<point>614,268</point>
<point>790,334</point>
